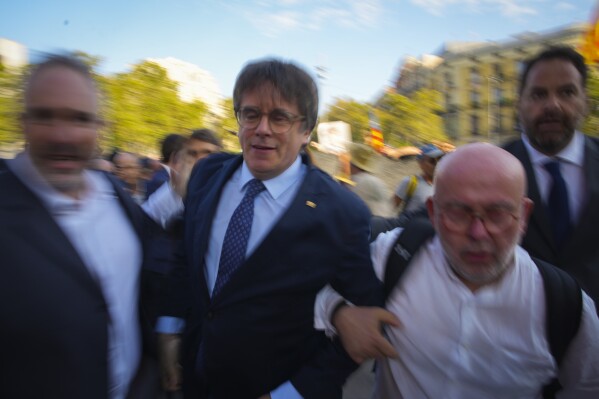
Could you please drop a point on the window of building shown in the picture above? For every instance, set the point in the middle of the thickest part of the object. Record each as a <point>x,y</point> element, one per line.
<point>448,80</point>
<point>474,125</point>
<point>497,94</point>
<point>474,76</point>
<point>520,65</point>
<point>497,71</point>
<point>475,97</point>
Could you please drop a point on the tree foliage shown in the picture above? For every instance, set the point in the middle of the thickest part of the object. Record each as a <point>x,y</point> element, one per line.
<point>143,106</point>
<point>10,105</point>
<point>352,112</point>
<point>403,120</point>
<point>227,127</point>
<point>591,125</point>
<point>411,120</point>
<point>139,107</point>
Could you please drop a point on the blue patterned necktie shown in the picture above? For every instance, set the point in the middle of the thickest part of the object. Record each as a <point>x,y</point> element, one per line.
<point>558,204</point>
<point>237,235</point>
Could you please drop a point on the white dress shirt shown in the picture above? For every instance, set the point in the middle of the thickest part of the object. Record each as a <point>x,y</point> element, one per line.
<point>269,205</point>
<point>104,238</point>
<point>571,166</point>
<point>457,344</point>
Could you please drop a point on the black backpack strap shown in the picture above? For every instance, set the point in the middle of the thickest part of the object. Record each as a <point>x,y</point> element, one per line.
<point>563,298</point>
<point>414,234</point>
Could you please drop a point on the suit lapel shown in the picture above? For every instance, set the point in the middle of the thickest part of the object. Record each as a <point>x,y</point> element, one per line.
<point>208,197</point>
<point>589,214</point>
<point>20,204</point>
<point>300,213</point>
<point>132,210</point>
<point>539,216</point>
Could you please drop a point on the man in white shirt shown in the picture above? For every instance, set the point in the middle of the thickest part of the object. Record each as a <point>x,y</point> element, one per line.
<point>468,317</point>
<point>71,251</point>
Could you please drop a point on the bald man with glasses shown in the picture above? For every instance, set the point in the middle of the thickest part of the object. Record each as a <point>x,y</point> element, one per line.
<point>468,317</point>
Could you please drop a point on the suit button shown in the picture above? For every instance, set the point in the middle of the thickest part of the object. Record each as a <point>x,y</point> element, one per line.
<point>210,315</point>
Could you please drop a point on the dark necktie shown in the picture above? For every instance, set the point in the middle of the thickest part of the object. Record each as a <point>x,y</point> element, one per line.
<point>558,204</point>
<point>234,246</point>
<point>237,235</point>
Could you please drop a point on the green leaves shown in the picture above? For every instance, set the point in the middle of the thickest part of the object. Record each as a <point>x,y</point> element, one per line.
<point>403,120</point>
<point>10,105</point>
<point>591,124</point>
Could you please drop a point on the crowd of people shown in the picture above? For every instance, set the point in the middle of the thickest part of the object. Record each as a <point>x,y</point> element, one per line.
<point>257,275</point>
<point>141,176</point>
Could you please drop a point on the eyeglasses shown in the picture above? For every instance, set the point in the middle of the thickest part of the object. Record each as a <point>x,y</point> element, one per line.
<point>47,117</point>
<point>279,121</point>
<point>458,218</point>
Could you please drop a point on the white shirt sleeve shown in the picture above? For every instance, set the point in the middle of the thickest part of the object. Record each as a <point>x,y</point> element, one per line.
<point>328,299</point>
<point>163,204</point>
<point>579,373</point>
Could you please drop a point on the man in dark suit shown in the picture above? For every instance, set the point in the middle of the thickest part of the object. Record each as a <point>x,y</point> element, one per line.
<point>250,330</point>
<point>71,251</point>
<point>552,105</point>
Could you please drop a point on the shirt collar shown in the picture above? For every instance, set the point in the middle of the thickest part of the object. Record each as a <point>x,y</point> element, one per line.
<point>573,153</point>
<point>56,202</point>
<point>277,185</point>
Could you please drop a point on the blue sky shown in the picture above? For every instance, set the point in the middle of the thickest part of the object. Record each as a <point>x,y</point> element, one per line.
<point>361,43</point>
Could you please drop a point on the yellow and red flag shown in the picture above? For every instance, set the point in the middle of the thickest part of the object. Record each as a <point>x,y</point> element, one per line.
<point>589,48</point>
<point>376,136</point>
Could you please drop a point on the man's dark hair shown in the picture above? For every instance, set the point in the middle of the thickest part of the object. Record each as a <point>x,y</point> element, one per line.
<point>565,53</point>
<point>207,136</point>
<point>59,60</point>
<point>290,81</point>
<point>170,146</point>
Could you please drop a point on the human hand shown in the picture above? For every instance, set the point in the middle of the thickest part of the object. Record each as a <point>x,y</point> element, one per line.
<point>180,172</point>
<point>169,346</point>
<point>361,331</point>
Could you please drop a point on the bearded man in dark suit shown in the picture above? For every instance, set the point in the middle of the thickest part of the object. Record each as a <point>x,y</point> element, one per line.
<point>552,105</point>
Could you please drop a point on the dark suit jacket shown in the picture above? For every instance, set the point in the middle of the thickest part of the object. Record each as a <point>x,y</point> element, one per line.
<point>580,254</point>
<point>53,316</point>
<point>258,331</point>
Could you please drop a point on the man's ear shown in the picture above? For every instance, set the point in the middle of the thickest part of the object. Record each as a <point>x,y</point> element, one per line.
<point>306,137</point>
<point>527,207</point>
<point>430,207</point>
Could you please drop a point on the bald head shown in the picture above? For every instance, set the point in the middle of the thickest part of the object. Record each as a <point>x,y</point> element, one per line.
<point>479,164</point>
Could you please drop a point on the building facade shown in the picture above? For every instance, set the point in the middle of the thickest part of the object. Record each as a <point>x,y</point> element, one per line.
<point>479,82</point>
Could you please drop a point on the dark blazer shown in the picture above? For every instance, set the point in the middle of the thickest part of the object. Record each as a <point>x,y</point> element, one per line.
<point>258,331</point>
<point>53,316</point>
<point>580,254</point>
